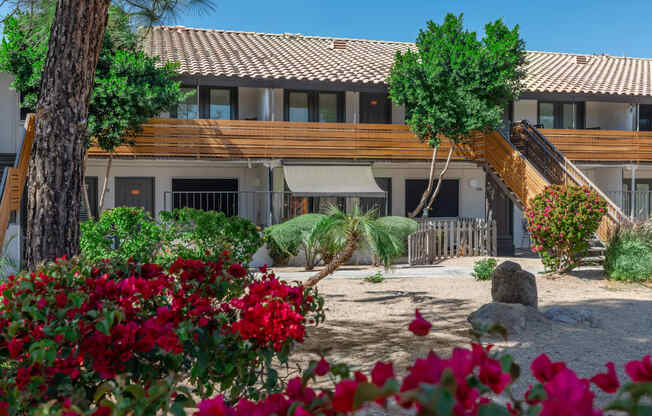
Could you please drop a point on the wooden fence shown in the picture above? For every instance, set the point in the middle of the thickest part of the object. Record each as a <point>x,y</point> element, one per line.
<point>436,240</point>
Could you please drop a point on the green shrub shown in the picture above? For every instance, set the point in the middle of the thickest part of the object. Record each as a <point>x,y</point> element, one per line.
<point>629,254</point>
<point>399,227</point>
<point>131,233</point>
<point>375,278</point>
<point>285,240</point>
<point>562,221</point>
<point>193,232</point>
<point>121,234</point>
<point>483,269</point>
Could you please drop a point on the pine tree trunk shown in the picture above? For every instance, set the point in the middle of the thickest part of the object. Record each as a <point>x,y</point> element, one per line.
<point>55,170</point>
<point>341,258</point>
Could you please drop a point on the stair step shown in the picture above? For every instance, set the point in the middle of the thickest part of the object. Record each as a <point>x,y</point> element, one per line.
<point>593,260</point>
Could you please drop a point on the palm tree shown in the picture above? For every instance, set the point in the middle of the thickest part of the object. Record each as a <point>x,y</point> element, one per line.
<point>354,230</point>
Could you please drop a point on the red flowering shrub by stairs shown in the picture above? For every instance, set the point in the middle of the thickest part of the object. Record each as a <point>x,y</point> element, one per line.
<point>562,220</point>
<point>139,339</point>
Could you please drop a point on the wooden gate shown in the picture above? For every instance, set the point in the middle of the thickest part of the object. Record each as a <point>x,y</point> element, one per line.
<point>436,240</point>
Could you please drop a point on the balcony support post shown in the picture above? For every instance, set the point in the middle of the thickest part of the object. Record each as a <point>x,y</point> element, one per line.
<point>633,195</point>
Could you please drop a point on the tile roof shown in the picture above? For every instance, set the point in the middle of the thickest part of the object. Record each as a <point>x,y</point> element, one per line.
<point>266,56</point>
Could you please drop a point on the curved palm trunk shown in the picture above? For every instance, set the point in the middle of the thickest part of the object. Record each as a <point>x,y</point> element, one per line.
<point>341,258</point>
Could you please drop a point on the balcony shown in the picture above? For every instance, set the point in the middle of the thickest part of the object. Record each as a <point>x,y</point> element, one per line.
<point>242,139</point>
<point>602,145</point>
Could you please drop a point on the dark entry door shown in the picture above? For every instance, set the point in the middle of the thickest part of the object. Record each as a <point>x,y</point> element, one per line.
<point>500,208</point>
<point>447,203</point>
<point>375,108</point>
<point>135,192</point>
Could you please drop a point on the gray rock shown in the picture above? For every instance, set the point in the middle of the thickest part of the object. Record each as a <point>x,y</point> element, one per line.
<point>515,317</point>
<point>511,284</point>
<point>572,316</point>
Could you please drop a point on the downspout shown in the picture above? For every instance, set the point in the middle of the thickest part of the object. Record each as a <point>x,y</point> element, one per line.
<point>633,196</point>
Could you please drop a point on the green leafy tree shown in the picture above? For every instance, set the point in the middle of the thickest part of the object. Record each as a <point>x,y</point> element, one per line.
<point>130,87</point>
<point>453,84</point>
<point>77,33</point>
<point>353,231</point>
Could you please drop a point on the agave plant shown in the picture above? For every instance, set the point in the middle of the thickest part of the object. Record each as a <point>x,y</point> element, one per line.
<point>352,231</point>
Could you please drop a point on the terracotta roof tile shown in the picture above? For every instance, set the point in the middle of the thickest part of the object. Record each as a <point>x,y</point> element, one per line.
<point>208,52</point>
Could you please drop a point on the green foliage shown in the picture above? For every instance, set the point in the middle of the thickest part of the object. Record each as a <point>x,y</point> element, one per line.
<point>193,232</point>
<point>131,233</point>
<point>483,269</point>
<point>629,254</point>
<point>455,83</point>
<point>121,234</point>
<point>399,227</point>
<point>130,87</point>
<point>375,278</point>
<point>284,240</point>
<point>562,221</point>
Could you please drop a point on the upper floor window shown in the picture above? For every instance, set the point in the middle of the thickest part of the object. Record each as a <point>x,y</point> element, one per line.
<point>560,115</point>
<point>212,103</point>
<point>307,106</point>
<point>188,108</point>
<point>375,108</point>
<point>645,117</point>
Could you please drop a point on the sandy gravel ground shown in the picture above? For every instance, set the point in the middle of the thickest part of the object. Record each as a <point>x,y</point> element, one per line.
<point>367,322</point>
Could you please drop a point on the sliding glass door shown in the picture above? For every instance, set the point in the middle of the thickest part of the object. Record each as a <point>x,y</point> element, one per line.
<point>559,115</point>
<point>318,106</point>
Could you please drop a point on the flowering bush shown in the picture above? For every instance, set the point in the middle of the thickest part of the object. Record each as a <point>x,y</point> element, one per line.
<point>473,381</point>
<point>562,221</point>
<point>139,339</point>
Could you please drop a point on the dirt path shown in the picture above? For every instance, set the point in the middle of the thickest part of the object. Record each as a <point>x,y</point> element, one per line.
<point>367,322</point>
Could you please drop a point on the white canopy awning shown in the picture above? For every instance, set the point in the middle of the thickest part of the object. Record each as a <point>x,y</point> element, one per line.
<point>341,180</point>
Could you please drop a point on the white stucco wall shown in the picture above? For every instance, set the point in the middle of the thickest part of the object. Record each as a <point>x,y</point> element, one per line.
<point>352,106</point>
<point>250,103</point>
<point>254,178</point>
<point>609,116</point>
<point>471,202</point>
<point>526,110</point>
<point>398,114</point>
<point>10,125</point>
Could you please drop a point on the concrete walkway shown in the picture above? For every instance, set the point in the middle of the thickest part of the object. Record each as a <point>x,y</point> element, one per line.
<point>461,268</point>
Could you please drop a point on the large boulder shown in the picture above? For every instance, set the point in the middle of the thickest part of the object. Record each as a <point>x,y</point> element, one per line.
<point>514,317</point>
<point>511,284</point>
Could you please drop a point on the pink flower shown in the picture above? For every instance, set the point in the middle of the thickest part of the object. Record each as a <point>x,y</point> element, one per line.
<point>419,326</point>
<point>381,373</point>
<point>236,270</point>
<point>640,371</point>
<point>491,375</point>
<point>607,381</point>
<point>568,395</point>
<point>322,367</point>
<point>344,395</point>
<point>214,407</point>
<point>544,370</point>
<point>15,347</point>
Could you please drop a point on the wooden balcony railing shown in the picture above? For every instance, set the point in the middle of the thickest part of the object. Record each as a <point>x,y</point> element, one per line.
<point>602,145</point>
<point>234,139</point>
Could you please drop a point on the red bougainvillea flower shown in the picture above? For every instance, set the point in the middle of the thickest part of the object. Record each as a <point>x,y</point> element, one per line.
<point>381,373</point>
<point>344,395</point>
<point>322,367</point>
<point>214,407</point>
<point>568,395</point>
<point>236,270</point>
<point>544,370</point>
<point>607,381</point>
<point>419,327</point>
<point>640,371</point>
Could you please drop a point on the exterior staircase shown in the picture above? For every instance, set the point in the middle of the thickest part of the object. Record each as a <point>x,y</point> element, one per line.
<point>524,163</point>
<point>14,179</point>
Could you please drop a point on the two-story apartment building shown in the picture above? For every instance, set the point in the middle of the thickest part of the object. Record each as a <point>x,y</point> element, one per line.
<point>282,124</point>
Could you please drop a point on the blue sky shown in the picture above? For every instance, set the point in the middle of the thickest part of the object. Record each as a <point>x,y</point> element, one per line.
<point>578,26</point>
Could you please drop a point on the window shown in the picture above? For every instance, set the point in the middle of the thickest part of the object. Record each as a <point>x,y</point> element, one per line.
<point>445,205</point>
<point>308,106</point>
<point>188,108</point>
<point>298,106</point>
<point>383,206</point>
<point>206,194</point>
<point>559,115</point>
<point>645,117</point>
<point>220,104</point>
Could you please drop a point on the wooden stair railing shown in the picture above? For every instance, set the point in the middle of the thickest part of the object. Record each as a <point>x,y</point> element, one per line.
<point>557,169</point>
<point>14,180</point>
